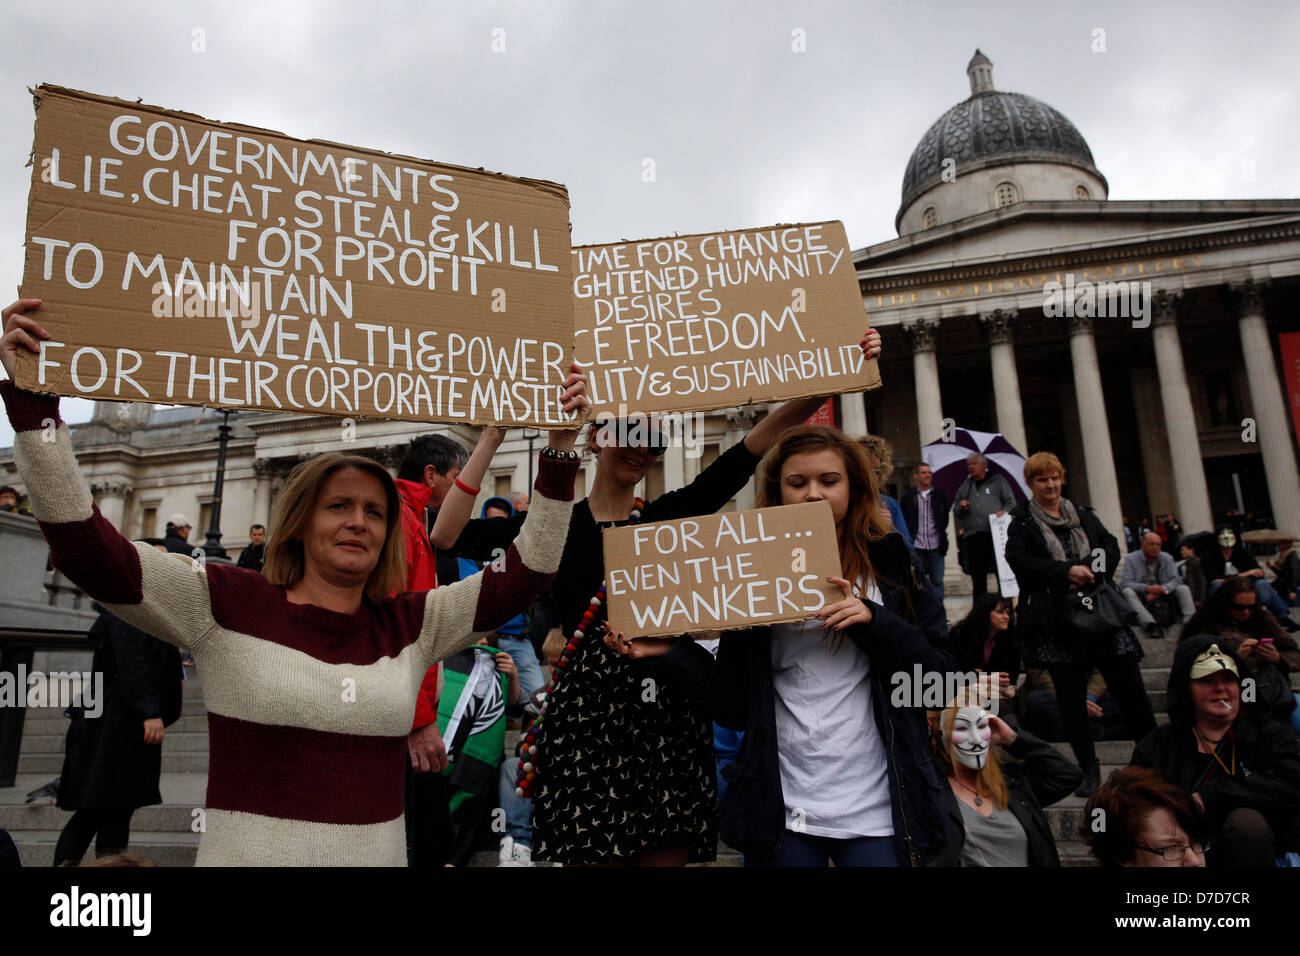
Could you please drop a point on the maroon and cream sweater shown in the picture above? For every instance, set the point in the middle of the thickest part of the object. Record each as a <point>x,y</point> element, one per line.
<point>308,709</point>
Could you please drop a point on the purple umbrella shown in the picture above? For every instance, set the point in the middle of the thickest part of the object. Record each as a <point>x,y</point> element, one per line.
<point>947,460</point>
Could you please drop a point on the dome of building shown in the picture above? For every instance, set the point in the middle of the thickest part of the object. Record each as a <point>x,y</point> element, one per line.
<point>993,128</point>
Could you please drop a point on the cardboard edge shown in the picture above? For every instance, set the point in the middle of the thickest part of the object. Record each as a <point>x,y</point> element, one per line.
<point>720,232</point>
<point>558,190</point>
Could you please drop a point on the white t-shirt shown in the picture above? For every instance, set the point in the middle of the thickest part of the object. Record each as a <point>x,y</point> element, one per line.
<point>833,769</point>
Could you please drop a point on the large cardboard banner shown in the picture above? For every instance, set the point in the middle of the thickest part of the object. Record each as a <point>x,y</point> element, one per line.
<point>693,323</point>
<point>192,262</point>
<point>736,569</point>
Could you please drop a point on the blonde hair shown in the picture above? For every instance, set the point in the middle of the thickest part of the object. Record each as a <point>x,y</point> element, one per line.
<point>1043,463</point>
<point>553,646</point>
<point>989,780</point>
<point>881,454</point>
<point>285,556</point>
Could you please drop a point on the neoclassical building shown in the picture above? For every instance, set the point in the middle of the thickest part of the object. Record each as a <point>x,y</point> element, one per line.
<point>1180,409</point>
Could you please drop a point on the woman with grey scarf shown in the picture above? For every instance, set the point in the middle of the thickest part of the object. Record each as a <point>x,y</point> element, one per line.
<point>1053,546</point>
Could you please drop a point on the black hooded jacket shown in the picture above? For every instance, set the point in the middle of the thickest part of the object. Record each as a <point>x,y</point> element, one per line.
<point>1267,754</point>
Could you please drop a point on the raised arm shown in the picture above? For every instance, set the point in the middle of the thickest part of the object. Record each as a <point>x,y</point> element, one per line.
<point>457,615</point>
<point>458,506</point>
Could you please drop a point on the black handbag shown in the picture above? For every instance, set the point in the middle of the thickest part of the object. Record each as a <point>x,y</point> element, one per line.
<point>1097,610</point>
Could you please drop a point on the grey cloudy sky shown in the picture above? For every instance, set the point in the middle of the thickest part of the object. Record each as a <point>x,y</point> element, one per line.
<point>743,130</point>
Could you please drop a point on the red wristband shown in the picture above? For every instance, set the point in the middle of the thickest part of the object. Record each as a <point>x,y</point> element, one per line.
<point>467,489</point>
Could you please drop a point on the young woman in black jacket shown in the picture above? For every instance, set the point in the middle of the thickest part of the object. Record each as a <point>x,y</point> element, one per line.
<point>991,769</point>
<point>835,763</point>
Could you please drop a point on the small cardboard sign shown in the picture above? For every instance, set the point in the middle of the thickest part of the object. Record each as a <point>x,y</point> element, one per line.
<point>185,261</point>
<point>735,569</point>
<point>694,323</point>
<point>1007,583</point>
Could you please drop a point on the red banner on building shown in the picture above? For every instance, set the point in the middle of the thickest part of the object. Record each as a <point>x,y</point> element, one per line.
<point>1290,343</point>
<point>824,415</point>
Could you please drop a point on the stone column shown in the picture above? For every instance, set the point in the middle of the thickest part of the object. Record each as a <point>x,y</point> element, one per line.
<point>922,334</point>
<point>110,494</point>
<point>853,414</point>
<point>1103,487</point>
<point>263,471</point>
<point>675,467</point>
<point>740,421</point>
<point>1006,380</point>
<point>1180,419</point>
<point>1272,429</point>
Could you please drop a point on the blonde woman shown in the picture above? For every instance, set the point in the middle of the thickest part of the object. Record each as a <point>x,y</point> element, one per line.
<point>999,780</point>
<point>310,669</point>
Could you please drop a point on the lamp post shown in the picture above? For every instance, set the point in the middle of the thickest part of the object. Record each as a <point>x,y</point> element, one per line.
<point>212,546</point>
<point>531,435</point>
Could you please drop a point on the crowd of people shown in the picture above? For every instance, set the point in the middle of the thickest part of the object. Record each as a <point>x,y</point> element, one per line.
<point>379,622</point>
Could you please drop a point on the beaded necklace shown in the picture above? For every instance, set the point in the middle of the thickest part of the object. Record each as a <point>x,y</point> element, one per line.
<point>592,621</point>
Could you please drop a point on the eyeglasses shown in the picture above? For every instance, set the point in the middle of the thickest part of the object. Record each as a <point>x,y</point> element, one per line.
<point>1243,608</point>
<point>1175,852</point>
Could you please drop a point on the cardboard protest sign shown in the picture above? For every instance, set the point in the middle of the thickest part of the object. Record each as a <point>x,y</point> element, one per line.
<point>1007,583</point>
<point>192,262</point>
<point>736,569</point>
<point>693,323</point>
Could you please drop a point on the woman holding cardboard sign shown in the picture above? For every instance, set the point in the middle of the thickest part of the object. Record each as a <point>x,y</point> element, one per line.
<point>310,669</point>
<point>835,765</point>
<point>621,771</point>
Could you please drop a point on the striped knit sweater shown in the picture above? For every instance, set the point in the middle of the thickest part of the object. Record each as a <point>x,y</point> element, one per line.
<point>308,709</point>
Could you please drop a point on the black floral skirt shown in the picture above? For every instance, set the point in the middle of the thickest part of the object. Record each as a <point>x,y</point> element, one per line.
<point>625,767</point>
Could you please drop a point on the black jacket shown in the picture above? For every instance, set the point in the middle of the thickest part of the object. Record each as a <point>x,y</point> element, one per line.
<point>1036,778</point>
<point>253,557</point>
<point>178,545</point>
<point>1267,753</point>
<point>1043,579</point>
<point>737,691</point>
<point>939,508</point>
<point>106,762</point>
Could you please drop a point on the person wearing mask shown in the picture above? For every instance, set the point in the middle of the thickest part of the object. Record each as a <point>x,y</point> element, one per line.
<point>254,556</point>
<point>1268,654</point>
<point>1053,544</point>
<point>980,497</point>
<point>1231,558</point>
<point>1147,821</point>
<point>999,780</point>
<point>1240,766</point>
<point>925,514</point>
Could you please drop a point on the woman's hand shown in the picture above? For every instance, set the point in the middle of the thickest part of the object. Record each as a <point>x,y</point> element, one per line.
<point>844,613</point>
<point>153,731</point>
<point>573,398</point>
<point>871,344</point>
<point>1247,647</point>
<point>1079,575</point>
<point>1001,733</point>
<point>1267,651</point>
<point>637,647</point>
<point>20,331</point>
<point>506,664</point>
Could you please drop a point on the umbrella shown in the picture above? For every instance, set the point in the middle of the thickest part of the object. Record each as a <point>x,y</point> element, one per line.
<point>947,460</point>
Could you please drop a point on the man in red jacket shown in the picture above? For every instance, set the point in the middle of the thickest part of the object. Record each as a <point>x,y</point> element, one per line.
<point>429,469</point>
